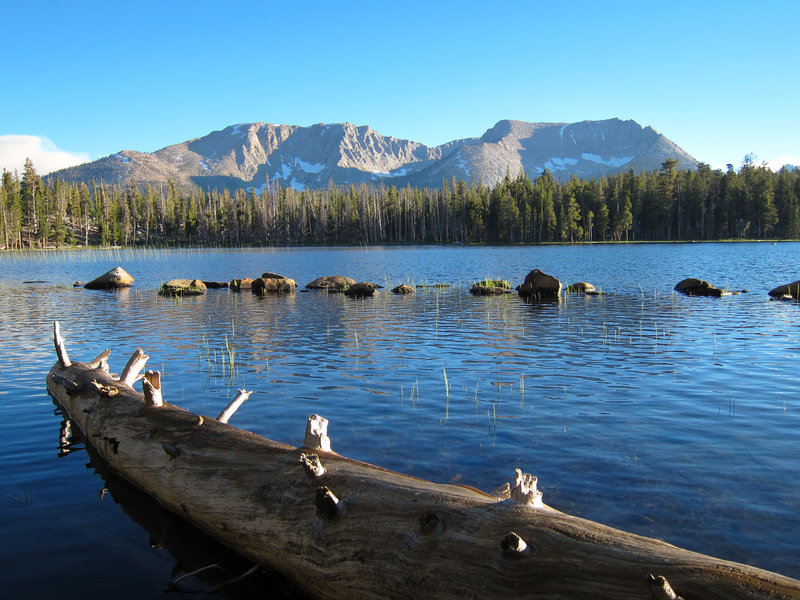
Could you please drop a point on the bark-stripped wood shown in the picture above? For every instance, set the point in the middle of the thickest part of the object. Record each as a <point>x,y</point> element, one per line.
<point>227,413</point>
<point>341,528</point>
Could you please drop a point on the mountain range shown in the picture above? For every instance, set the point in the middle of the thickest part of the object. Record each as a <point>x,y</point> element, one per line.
<point>254,155</point>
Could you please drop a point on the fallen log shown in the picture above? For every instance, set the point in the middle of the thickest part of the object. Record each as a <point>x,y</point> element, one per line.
<point>341,528</point>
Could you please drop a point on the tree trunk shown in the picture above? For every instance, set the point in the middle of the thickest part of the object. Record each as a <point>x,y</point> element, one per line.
<point>341,528</point>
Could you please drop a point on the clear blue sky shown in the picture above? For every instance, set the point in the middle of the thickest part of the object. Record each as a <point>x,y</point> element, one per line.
<point>719,79</point>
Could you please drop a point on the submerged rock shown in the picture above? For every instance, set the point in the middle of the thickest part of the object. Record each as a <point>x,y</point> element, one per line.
<point>698,287</point>
<point>183,287</point>
<point>363,289</point>
<point>581,287</point>
<point>490,287</point>
<point>113,279</point>
<point>403,290</point>
<point>500,283</point>
<point>487,290</point>
<point>331,283</point>
<point>540,286</point>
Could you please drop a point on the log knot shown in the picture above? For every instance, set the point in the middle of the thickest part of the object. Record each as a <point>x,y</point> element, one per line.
<point>312,465</point>
<point>429,522</point>
<point>106,391</point>
<point>317,434</point>
<point>524,491</point>
<point>173,451</point>
<point>70,387</point>
<point>514,546</point>
<point>328,505</point>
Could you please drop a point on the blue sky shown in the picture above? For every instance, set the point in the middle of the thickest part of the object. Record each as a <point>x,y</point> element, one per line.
<point>86,79</point>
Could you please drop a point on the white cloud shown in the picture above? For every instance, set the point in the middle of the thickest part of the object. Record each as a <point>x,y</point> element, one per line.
<point>775,165</point>
<point>14,149</point>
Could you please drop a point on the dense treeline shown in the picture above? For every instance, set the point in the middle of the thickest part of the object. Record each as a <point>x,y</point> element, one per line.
<point>663,205</point>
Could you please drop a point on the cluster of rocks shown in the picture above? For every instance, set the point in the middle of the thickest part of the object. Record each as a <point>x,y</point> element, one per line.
<point>538,286</point>
<point>268,283</point>
<point>699,287</point>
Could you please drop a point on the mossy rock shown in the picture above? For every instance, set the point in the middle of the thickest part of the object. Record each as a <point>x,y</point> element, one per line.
<point>183,287</point>
<point>494,283</point>
<point>331,283</point>
<point>488,290</point>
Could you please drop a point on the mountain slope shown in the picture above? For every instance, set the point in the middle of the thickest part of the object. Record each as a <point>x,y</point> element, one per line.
<point>254,155</point>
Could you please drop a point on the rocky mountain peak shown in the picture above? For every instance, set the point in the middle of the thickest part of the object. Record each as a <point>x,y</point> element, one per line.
<point>254,155</point>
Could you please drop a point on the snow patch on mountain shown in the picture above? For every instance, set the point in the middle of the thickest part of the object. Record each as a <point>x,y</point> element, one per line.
<point>308,167</point>
<point>560,164</point>
<point>393,173</point>
<point>613,161</point>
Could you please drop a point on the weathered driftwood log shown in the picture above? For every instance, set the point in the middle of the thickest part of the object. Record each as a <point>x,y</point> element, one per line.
<point>341,528</point>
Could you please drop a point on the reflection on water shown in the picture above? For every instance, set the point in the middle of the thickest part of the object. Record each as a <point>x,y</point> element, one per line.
<point>201,565</point>
<point>669,416</point>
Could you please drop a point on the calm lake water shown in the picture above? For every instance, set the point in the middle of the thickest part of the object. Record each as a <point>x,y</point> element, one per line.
<point>669,416</point>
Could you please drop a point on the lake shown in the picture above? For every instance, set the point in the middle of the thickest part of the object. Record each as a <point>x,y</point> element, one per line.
<point>669,416</point>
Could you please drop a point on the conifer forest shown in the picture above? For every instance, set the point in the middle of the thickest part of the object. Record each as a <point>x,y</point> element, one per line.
<point>667,204</point>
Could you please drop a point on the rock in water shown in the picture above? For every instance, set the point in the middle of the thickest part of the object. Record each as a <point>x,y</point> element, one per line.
<point>789,290</point>
<point>241,284</point>
<point>540,286</point>
<point>115,278</point>
<point>698,287</point>
<point>364,289</point>
<point>275,284</point>
<point>403,290</point>
<point>332,283</point>
<point>490,287</point>
<point>581,287</point>
<point>183,287</point>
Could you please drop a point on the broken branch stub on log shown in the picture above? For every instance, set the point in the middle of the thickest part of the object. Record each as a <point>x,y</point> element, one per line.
<point>134,366</point>
<point>151,389</point>
<point>317,434</point>
<point>101,361</point>
<point>391,536</point>
<point>234,405</point>
<point>524,491</point>
<point>312,465</point>
<point>61,349</point>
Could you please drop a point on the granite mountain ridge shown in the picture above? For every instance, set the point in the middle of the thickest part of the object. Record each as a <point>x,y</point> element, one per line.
<point>257,155</point>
